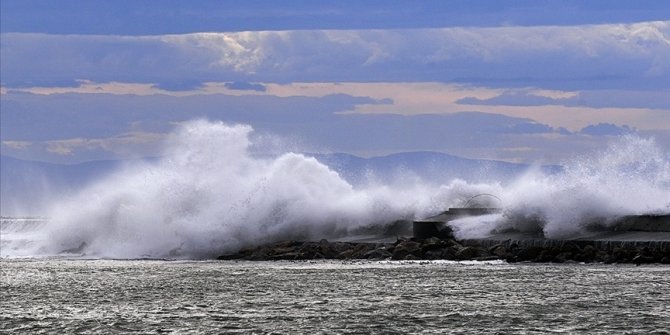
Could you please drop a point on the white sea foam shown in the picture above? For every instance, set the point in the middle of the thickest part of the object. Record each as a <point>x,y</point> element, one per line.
<point>631,177</point>
<point>209,194</point>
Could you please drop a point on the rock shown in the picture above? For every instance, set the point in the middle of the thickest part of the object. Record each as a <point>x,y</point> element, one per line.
<point>377,254</point>
<point>283,250</point>
<point>449,253</point>
<point>360,250</point>
<point>483,252</point>
<point>345,250</point>
<point>288,256</point>
<point>562,257</point>
<point>227,257</point>
<point>642,259</point>
<point>327,251</point>
<point>601,256</point>
<point>405,248</point>
<point>77,250</point>
<point>346,254</point>
<point>288,244</point>
<point>547,255</point>
<point>587,254</point>
<point>453,243</point>
<point>432,243</point>
<point>529,254</point>
<point>434,254</point>
<point>570,247</point>
<point>260,254</point>
<point>620,255</point>
<point>450,249</point>
<point>310,250</point>
<point>511,258</point>
<point>498,250</point>
<point>467,253</point>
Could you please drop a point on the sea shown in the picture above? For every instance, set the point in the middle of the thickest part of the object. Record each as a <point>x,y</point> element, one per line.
<point>125,253</point>
<point>55,295</point>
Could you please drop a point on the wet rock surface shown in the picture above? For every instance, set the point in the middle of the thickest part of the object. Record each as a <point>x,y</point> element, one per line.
<point>450,249</point>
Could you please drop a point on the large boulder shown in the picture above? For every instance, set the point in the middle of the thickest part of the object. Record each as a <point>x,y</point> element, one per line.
<point>361,249</point>
<point>499,250</point>
<point>405,248</point>
<point>529,254</point>
<point>378,253</point>
<point>587,254</point>
<point>467,253</point>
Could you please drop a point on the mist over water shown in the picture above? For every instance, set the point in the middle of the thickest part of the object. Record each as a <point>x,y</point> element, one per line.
<point>210,192</point>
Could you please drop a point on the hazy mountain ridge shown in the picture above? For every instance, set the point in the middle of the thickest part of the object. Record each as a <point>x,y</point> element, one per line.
<point>429,166</point>
<point>27,186</point>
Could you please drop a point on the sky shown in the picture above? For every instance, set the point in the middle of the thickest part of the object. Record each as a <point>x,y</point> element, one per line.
<point>519,81</point>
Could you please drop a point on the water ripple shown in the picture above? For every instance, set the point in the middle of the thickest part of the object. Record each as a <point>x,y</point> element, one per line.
<point>152,297</point>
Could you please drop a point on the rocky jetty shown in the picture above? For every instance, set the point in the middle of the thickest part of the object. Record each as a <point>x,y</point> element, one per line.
<point>434,248</point>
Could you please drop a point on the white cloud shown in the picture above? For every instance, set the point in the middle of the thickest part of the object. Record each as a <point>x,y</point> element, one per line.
<point>17,145</point>
<point>578,55</point>
<point>239,52</point>
<point>77,130</point>
<point>574,110</point>
<point>125,145</point>
<point>616,69</point>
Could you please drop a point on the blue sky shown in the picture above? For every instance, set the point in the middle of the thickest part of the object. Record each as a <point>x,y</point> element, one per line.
<point>529,81</point>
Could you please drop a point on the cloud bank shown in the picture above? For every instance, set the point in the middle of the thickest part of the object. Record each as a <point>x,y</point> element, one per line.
<point>590,56</point>
<point>80,127</point>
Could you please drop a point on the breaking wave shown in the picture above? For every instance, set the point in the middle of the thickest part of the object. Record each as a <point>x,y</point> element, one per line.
<point>631,177</point>
<point>210,193</point>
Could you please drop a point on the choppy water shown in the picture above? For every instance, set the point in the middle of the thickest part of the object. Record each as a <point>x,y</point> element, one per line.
<point>111,296</point>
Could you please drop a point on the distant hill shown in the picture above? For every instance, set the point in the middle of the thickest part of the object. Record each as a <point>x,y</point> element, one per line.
<point>432,167</point>
<point>27,186</point>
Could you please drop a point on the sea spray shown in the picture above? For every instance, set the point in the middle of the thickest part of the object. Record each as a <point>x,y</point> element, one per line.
<point>211,192</point>
<point>631,177</point>
<point>208,194</point>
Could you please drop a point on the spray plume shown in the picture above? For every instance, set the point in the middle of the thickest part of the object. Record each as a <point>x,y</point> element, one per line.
<point>208,193</point>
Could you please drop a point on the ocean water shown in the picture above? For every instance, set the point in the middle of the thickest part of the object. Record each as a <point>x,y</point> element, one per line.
<point>56,295</point>
<point>214,190</point>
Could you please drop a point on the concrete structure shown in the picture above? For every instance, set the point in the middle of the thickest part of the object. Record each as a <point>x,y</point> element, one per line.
<point>436,226</point>
<point>651,231</point>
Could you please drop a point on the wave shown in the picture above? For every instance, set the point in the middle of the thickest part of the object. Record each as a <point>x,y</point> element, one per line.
<point>630,177</point>
<point>210,192</point>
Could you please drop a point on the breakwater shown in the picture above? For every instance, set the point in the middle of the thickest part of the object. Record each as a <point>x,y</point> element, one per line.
<point>633,239</point>
<point>526,250</point>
